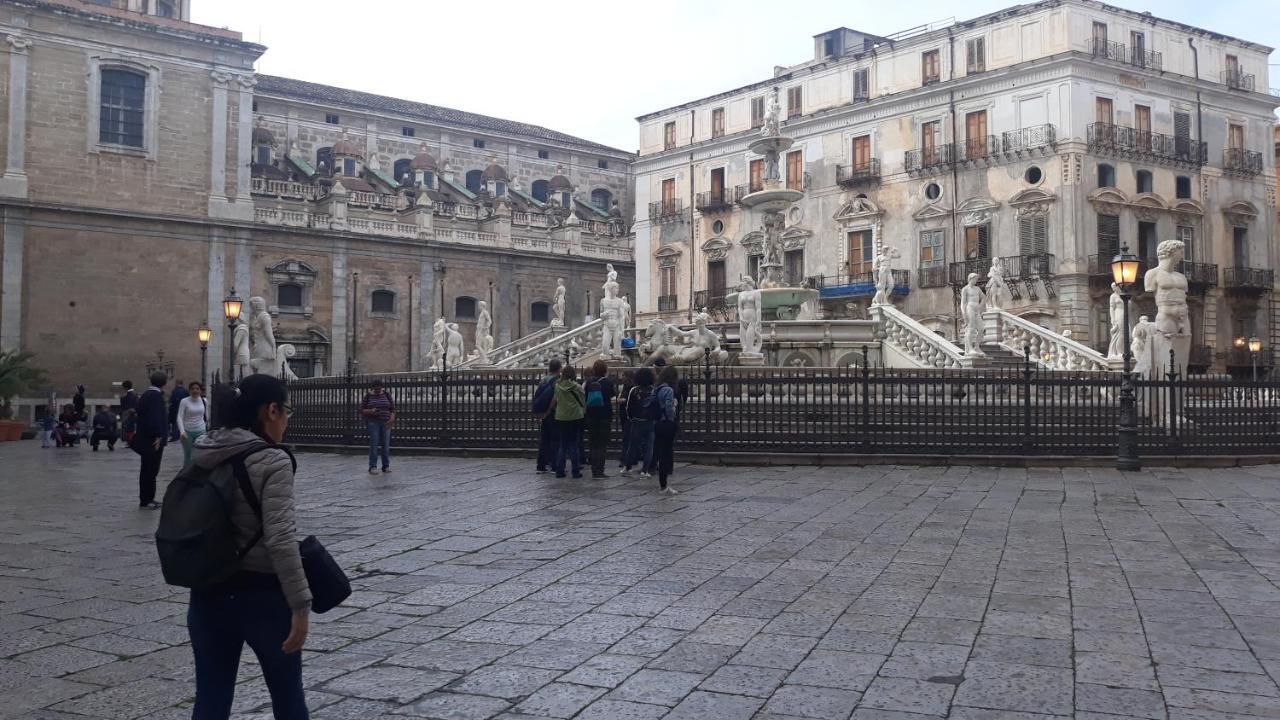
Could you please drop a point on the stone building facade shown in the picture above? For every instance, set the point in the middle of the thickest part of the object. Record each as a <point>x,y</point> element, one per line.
<point>149,171</point>
<point>1045,135</point>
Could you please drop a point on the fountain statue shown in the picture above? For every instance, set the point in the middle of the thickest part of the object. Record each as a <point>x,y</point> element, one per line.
<point>439,334</point>
<point>971,301</point>
<point>1115,348</point>
<point>1173,321</point>
<point>884,277</point>
<point>263,338</point>
<point>611,317</point>
<point>1141,346</point>
<point>484,337</point>
<point>610,276</point>
<point>749,322</point>
<point>454,351</point>
<point>997,288</point>
<point>243,363</point>
<point>557,306</point>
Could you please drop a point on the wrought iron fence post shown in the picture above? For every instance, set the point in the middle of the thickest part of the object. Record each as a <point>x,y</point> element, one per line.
<point>706,398</point>
<point>1027,439</point>
<point>1173,378</point>
<point>866,402</point>
<point>445,416</point>
<point>348,411</point>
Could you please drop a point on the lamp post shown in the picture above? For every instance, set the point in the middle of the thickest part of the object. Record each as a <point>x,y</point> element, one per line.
<point>231,306</point>
<point>1124,270</point>
<point>1255,346</point>
<point>204,333</point>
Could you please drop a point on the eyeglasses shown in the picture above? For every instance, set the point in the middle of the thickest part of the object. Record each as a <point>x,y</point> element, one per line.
<point>288,410</point>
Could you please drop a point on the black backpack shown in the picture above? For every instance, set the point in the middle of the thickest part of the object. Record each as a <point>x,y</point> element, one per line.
<point>543,395</point>
<point>196,537</point>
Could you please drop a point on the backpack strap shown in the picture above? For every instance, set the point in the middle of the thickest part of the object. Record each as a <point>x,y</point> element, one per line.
<point>246,486</point>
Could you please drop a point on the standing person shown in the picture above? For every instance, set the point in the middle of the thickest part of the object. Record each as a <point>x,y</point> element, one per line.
<point>77,401</point>
<point>192,419</point>
<point>542,406</point>
<point>267,604</point>
<point>600,391</point>
<point>380,414</point>
<point>128,399</point>
<point>624,422</point>
<point>153,429</point>
<point>104,428</point>
<point>665,427</point>
<point>570,409</point>
<point>681,388</point>
<point>47,426</point>
<point>175,398</point>
<point>640,443</point>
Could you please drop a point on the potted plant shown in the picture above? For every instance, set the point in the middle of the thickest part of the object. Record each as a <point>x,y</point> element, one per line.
<point>17,375</point>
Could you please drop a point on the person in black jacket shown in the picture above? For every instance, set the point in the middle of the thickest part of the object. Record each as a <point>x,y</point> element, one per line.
<point>153,431</point>
<point>104,428</point>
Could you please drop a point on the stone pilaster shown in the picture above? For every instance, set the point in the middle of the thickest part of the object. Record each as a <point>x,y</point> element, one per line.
<point>427,310</point>
<point>218,344</point>
<point>13,183</point>
<point>244,152</point>
<point>218,145</point>
<point>11,291</point>
<point>338,328</point>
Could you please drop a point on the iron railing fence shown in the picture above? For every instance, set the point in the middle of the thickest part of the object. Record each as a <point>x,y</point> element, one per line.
<point>1016,410</point>
<point>1236,80</point>
<point>1241,161</point>
<point>866,173</point>
<point>1036,137</point>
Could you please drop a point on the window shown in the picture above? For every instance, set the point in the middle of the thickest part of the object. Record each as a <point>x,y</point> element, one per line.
<point>1102,111</point>
<point>795,102</point>
<point>1106,176</point>
<point>717,123</point>
<point>756,174</point>
<point>861,85</point>
<point>383,301</point>
<point>828,46</point>
<point>324,160</point>
<point>669,136</point>
<point>795,170</point>
<point>1142,126</point>
<point>931,254</point>
<point>929,133</point>
<point>602,164</point>
<point>1138,42</point>
<point>929,71</point>
<point>120,119</point>
<point>601,199</point>
<point>477,144</point>
<point>540,190</point>
<point>977,243</point>
<point>401,172</point>
<point>1182,187</point>
<point>464,308</point>
<point>862,252</point>
<point>1233,66</point>
<point>757,112</point>
<point>331,118</point>
<point>976,55</point>
<point>1108,238</point>
<point>164,9</point>
<point>349,167</point>
<point>1147,243</point>
<point>862,152</point>
<point>475,180</point>
<point>753,266</point>
<point>543,154</point>
<point>1187,236</point>
<point>975,133</point>
<point>716,278</point>
<point>1143,178</point>
<point>1099,34</point>
<point>667,281</point>
<point>566,199</point>
<point>1235,136</point>
<point>1033,235</point>
<point>289,296</point>
<point>263,156</point>
<point>793,267</point>
<point>1182,135</point>
<point>1240,246</point>
<point>668,190</point>
<point>499,188</point>
<point>540,312</point>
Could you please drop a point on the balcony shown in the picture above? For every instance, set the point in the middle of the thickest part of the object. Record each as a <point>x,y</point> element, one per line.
<point>666,210</point>
<point>742,191</point>
<point>668,303</point>
<point>931,277</point>
<point>1024,269</point>
<point>930,159</point>
<point>1118,52</point>
<point>1247,281</point>
<point>714,200</point>
<point>979,149</point>
<point>1200,276</point>
<point>1038,139</point>
<point>1127,142</point>
<point>867,173</point>
<point>711,300</point>
<point>1236,80</point>
<point>831,287</point>
<point>1239,161</point>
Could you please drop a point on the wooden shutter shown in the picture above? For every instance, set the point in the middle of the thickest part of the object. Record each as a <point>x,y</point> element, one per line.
<point>1142,118</point>
<point>1100,31</point>
<point>669,135</point>
<point>976,52</point>
<point>1102,110</point>
<point>757,112</point>
<point>716,278</point>
<point>928,142</point>
<point>717,122</point>
<point>717,183</point>
<point>976,242</point>
<point>795,170</point>
<point>862,152</point>
<point>1108,236</point>
<point>861,85</point>
<point>795,101</point>
<point>1033,235</point>
<point>668,190</point>
<point>794,263</point>
<point>929,67</point>
<point>757,175</point>
<point>975,130</point>
<point>1235,136</point>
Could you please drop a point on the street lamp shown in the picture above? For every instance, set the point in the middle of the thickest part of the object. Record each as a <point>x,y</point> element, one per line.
<point>204,333</point>
<point>1255,346</point>
<point>1124,270</point>
<point>231,306</point>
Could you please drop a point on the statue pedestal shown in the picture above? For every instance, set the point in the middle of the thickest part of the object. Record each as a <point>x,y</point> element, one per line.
<point>751,359</point>
<point>1161,345</point>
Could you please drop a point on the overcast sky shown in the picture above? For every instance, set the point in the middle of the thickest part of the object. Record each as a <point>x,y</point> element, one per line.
<point>589,68</point>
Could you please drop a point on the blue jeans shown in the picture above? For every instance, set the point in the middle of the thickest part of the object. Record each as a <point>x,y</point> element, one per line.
<point>221,620</point>
<point>570,447</point>
<point>379,444</point>
<point>640,445</point>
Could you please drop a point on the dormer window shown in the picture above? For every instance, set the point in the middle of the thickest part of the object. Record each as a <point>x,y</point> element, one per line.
<point>349,167</point>
<point>478,144</point>
<point>331,118</point>
<point>829,46</point>
<point>500,189</point>
<point>262,156</point>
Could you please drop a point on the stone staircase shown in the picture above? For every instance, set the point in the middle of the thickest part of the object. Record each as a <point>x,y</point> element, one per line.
<point>1003,358</point>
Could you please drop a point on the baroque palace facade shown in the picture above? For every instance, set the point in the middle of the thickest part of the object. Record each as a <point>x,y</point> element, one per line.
<point>148,171</point>
<point>1044,137</point>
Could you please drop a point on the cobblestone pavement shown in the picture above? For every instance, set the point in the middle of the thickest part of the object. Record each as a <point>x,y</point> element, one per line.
<point>487,591</point>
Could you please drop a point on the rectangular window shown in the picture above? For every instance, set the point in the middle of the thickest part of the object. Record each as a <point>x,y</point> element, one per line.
<point>756,169</point>
<point>123,97</point>
<point>667,281</point>
<point>543,154</point>
<point>976,55</point>
<point>795,102</point>
<point>1033,235</point>
<point>331,118</point>
<point>669,136</point>
<point>716,278</point>
<point>1099,33</point>
<point>975,134</point>
<point>1235,136</point>
<point>862,252</point>
<point>1108,238</point>
<point>862,152</point>
<point>1102,111</point>
<point>793,267</point>
<point>1138,43</point>
<point>929,142</point>
<point>1142,126</point>
<point>795,170</point>
<point>929,69</point>
<point>477,144</point>
<point>408,131</point>
<point>264,155</point>
<point>668,190</point>
<point>1187,236</point>
<point>757,112</point>
<point>977,244</point>
<point>1182,135</point>
<point>1240,246</point>
<point>1147,243</point>
<point>828,46</point>
<point>861,85</point>
<point>753,266</point>
<point>717,123</point>
<point>931,253</point>
<point>602,164</point>
<point>164,9</point>
<point>717,184</point>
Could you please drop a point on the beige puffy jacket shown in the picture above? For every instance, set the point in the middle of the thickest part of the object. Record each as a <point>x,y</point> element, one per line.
<point>271,474</point>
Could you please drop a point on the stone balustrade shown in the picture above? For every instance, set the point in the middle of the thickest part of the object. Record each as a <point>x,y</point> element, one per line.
<point>574,344</point>
<point>1051,350</point>
<point>502,352</point>
<point>914,344</point>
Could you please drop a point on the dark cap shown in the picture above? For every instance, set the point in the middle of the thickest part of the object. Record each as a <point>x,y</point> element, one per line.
<point>660,362</point>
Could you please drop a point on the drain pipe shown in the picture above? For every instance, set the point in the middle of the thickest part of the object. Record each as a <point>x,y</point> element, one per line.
<point>955,178</point>
<point>693,250</point>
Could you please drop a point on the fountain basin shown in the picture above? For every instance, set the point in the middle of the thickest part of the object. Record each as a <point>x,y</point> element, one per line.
<point>778,303</point>
<point>772,199</point>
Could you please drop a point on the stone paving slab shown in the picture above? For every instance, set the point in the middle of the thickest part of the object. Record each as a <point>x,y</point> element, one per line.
<point>485,591</point>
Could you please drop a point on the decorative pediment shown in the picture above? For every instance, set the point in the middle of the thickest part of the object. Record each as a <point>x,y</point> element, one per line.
<point>858,209</point>
<point>291,271</point>
<point>934,211</point>
<point>795,237</point>
<point>1108,196</point>
<point>977,211</point>
<point>1240,212</point>
<point>668,255</point>
<point>1032,201</point>
<point>1149,200</point>
<point>753,242</point>
<point>716,248</point>
<point>1187,206</point>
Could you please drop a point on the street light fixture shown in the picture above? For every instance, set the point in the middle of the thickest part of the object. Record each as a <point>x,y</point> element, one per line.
<point>1255,346</point>
<point>1124,270</point>
<point>231,307</point>
<point>204,333</point>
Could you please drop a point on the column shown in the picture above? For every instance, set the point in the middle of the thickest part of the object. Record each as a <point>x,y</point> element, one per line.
<point>244,274</point>
<point>218,144</point>
<point>14,182</point>
<point>219,343</point>
<point>507,304</point>
<point>244,139</point>
<point>427,301</point>
<point>338,328</point>
<point>15,229</point>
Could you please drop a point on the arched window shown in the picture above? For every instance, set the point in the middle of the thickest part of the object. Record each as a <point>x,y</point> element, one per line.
<point>1143,178</point>
<point>383,301</point>
<point>324,160</point>
<point>464,308</point>
<point>475,180</point>
<point>540,312</point>
<point>601,199</point>
<point>401,169</point>
<point>1106,175</point>
<point>123,97</point>
<point>289,295</point>
<point>541,190</point>
<point>1183,188</point>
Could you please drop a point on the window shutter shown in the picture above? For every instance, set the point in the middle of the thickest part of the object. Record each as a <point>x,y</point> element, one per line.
<point>984,244</point>
<point>1033,235</point>
<point>976,52</point>
<point>860,84</point>
<point>1108,236</point>
<point>1182,125</point>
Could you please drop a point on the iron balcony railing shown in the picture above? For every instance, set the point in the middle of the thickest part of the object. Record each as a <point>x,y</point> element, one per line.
<point>1016,267</point>
<point>1200,276</point>
<point>932,276</point>
<point>930,159</point>
<point>1247,279</point>
<point>982,147</point>
<point>1030,139</point>
<point>714,200</point>
<point>1236,80</point>
<point>709,300</point>
<point>1136,57</point>
<point>1241,161</point>
<point>668,303</point>
<point>1128,142</point>
<point>665,210</point>
<point>867,173</point>
<point>859,284</point>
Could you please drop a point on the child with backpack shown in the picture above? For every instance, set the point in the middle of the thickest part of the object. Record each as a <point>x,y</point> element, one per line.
<point>600,392</point>
<point>666,425</point>
<point>639,408</point>
<point>570,409</point>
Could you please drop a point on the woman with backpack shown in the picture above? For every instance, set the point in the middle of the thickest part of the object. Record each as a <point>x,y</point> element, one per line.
<point>624,422</point>
<point>570,408</point>
<point>666,426</point>
<point>638,408</point>
<point>267,604</point>
<point>600,392</point>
